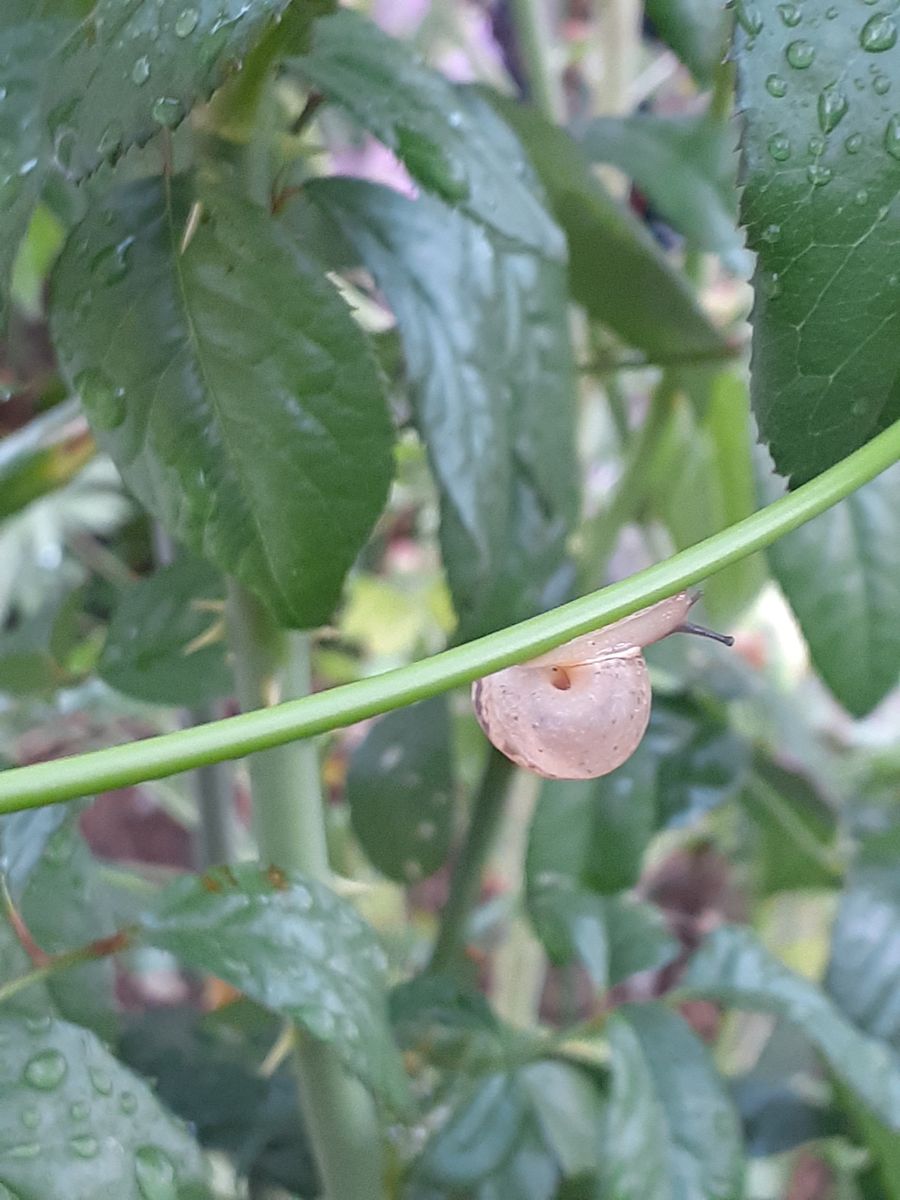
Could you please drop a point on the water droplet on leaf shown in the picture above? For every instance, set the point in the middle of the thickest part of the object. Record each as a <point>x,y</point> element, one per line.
<point>100,1079</point>
<point>879,33</point>
<point>832,109</point>
<point>776,86</point>
<point>892,137</point>
<point>818,175</point>
<point>779,147</point>
<point>30,1117</point>
<point>140,72</point>
<point>46,1070</point>
<point>790,14</point>
<point>84,1146</point>
<point>861,197</point>
<point>186,22</point>
<point>128,1103</point>
<point>800,54</point>
<point>816,145</point>
<point>79,1111</point>
<point>428,162</point>
<point>155,1174</point>
<point>771,233</point>
<point>749,16</point>
<point>853,143</point>
<point>881,84</point>
<point>167,111</point>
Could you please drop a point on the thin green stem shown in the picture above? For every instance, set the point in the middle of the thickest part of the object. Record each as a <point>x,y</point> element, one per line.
<point>234,737</point>
<point>533,37</point>
<point>289,820</point>
<point>465,881</point>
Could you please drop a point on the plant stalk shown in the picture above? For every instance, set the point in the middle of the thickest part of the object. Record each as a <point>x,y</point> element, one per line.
<point>289,822</point>
<point>465,882</point>
<point>235,737</point>
<point>533,37</point>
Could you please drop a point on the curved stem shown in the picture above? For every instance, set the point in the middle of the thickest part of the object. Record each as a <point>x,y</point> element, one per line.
<point>234,737</point>
<point>465,881</point>
<point>290,829</point>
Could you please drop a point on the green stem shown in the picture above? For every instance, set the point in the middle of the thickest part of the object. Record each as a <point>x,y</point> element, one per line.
<point>290,828</point>
<point>533,36</point>
<point>234,737</point>
<point>465,883</point>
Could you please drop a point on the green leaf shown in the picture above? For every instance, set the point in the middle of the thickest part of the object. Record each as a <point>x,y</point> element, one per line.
<point>65,905</point>
<point>570,1113</point>
<point>42,456</point>
<point>289,943</point>
<point>672,1131</point>
<point>84,81</point>
<point>150,652</point>
<point>841,576</point>
<point>400,789</point>
<point>449,140</point>
<point>796,830</point>
<point>616,270</point>
<point>864,972</point>
<point>231,386</point>
<point>485,1122</point>
<point>697,31</point>
<point>23,840</point>
<point>486,342</point>
<point>685,166</point>
<point>821,174</point>
<point>882,1143</point>
<point>74,1122</point>
<point>595,831</point>
<point>733,967</point>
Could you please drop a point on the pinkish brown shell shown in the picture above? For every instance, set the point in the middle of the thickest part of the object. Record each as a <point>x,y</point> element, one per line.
<point>579,711</point>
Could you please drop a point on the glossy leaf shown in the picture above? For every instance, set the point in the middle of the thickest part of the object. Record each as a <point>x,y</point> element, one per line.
<point>483,1127</point>
<point>154,646</point>
<point>69,1111</point>
<point>672,1131</point>
<point>449,140</point>
<point>685,167</point>
<point>83,81</point>
<point>616,269</point>
<point>841,576</point>
<point>237,395</point>
<point>400,789</point>
<point>821,174</point>
<point>695,29</point>
<point>735,968</point>
<point>864,972</point>
<point>292,945</point>
<point>487,349</point>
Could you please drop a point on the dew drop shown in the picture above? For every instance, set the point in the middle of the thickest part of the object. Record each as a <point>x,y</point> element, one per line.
<point>166,111</point>
<point>879,33</point>
<point>832,13</point>
<point>800,54</point>
<point>892,137</point>
<point>30,1117</point>
<point>816,145</point>
<point>771,233</point>
<point>22,1150</point>
<point>84,1146</point>
<point>861,197</point>
<point>779,147</point>
<point>776,86</point>
<point>39,1024</point>
<point>749,16</point>
<point>818,175</point>
<point>853,144</point>
<point>832,108</point>
<point>64,147</point>
<point>128,1103</point>
<point>790,14</point>
<point>154,1174</point>
<point>106,407</point>
<point>46,1070</point>
<point>881,84</point>
<point>79,1111</point>
<point>100,1079</point>
<point>110,140</point>
<point>186,22</point>
<point>140,72</point>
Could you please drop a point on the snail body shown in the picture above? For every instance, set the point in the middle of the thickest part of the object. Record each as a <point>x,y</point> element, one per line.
<point>579,711</point>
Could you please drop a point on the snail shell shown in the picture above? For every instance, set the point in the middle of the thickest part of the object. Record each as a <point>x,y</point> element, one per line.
<point>579,711</point>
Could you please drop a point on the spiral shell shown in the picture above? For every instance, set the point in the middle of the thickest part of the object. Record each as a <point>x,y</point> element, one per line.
<point>580,710</point>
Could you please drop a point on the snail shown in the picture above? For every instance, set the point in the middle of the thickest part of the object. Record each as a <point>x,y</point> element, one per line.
<point>580,710</point>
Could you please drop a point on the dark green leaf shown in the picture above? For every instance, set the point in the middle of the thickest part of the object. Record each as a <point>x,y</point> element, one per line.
<point>616,269</point>
<point>23,840</point>
<point>596,831</point>
<point>841,576</point>
<point>73,1121</point>
<point>14,962</point>
<point>822,171</point>
<point>449,140</point>
<point>732,966</point>
<point>237,394</point>
<point>487,348</point>
<point>149,651</point>
<point>882,1143</point>
<point>400,789</point>
<point>697,31</point>
<point>685,167</point>
<point>864,972</point>
<point>65,906</point>
<point>208,1073</point>
<point>672,1131</point>
<point>84,81</point>
<point>485,1123</point>
<point>796,830</point>
<point>777,1117</point>
<point>289,943</point>
<point>570,1113</point>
